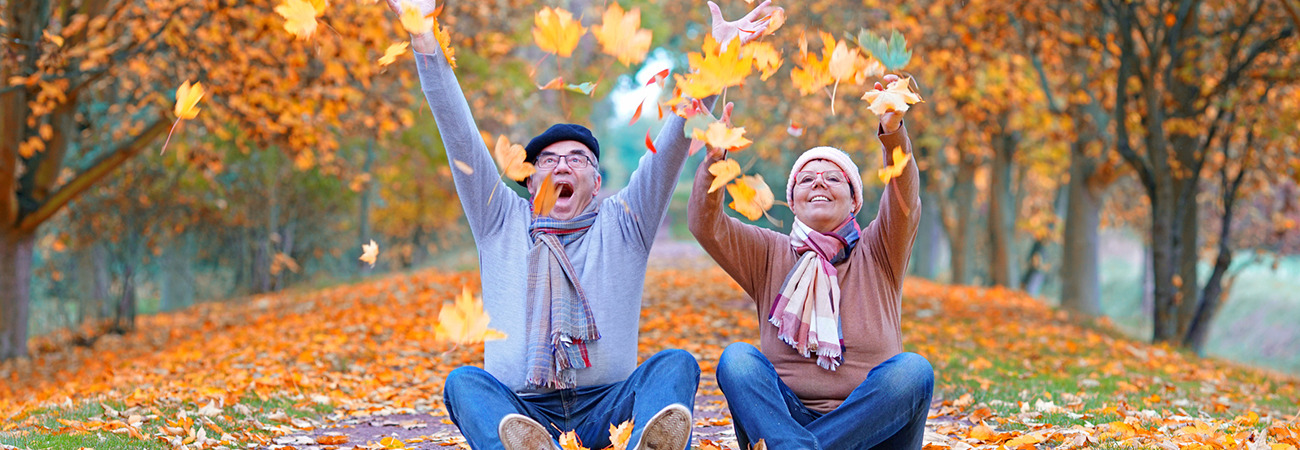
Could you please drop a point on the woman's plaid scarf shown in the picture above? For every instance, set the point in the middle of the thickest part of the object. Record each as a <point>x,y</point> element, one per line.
<point>807,311</point>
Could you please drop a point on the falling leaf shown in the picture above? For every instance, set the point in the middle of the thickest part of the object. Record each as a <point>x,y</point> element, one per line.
<point>659,78</point>
<point>649,143</point>
<point>464,321</point>
<point>843,62</point>
<point>794,129</point>
<point>510,157</point>
<point>723,172</point>
<point>585,88</point>
<point>620,35</point>
<point>896,97</point>
<point>894,54</point>
<point>369,253</point>
<point>187,98</point>
<point>463,166</point>
<point>414,21</point>
<point>444,41</point>
<point>618,436</point>
<point>299,17</point>
<point>393,51</point>
<point>715,70</point>
<point>545,198</point>
<point>636,115</point>
<point>719,135</point>
<point>896,169</point>
<point>750,196</point>
<point>556,83</point>
<point>555,31</point>
<point>766,58</point>
<point>812,74</point>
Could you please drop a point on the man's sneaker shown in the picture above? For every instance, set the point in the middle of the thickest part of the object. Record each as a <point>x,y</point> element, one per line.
<point>519,432</point>
<point>669,429</point>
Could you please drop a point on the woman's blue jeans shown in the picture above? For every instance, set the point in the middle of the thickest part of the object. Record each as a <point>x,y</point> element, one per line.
<point>886,411</point>
<point>476,401</point>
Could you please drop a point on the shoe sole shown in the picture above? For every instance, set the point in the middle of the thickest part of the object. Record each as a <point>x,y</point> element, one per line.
<point>668,430</point>
<point>519,432</point>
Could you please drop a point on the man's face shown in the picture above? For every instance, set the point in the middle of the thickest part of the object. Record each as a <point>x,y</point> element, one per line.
<point>822,197</point>
<point>577,185</point>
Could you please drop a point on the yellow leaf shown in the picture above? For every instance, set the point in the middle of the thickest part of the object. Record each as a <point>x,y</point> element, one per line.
<point>569,441</point>
<point>319,6</point>
<point>894,98</point>
<point>546,197</point>
<point>393,52</point>
<point>750,196</point>
<point>715,70</point>
<point>464,321</point>
<point>414,21</point>
<point>1027,439</point>
<point>723,172</point>
<point>811,75</point>
<point>843,62</point>
<point>982,433</point>
<point>510,157</point>
<point>766,58</point>
<point>621,36</point>
<point>555,31</point>
<point>299,17</point>
<point>444,41</point>
<point>896,169</point>
<point>719,135</point>
<point>618,436</point>
<point>391,442</point>
<point>187,97</point>
<point>369,252</point>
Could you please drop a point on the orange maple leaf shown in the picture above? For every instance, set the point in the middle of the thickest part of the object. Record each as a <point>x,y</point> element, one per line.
<point>546,197</point>
<point>414,21</point>
<point>510,157</point>
<point>715,70</point>
<point>369,252</point>
<point>555,31</point>
<point>718,135</point>
<point>620,35</point>
<point>766,58</point>
<point>750,196</point>
<point>896,97</point>
<point>187,98</point>
<point>393,51</point>
<point>569,441</point>
<point>444,41</point>
<point>811,75</point>
<point>894,170</point>
<point>723,172</point>
<point>299,17</point>
<point>619,435</point>
<point>464,321</point>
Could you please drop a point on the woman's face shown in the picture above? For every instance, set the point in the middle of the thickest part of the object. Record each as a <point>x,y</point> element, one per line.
<point>819,200</point>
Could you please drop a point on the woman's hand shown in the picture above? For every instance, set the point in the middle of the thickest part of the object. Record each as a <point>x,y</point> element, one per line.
<point>890,121</point>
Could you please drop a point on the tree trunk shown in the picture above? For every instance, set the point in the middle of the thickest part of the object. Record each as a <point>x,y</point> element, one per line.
<point>1080,278</point>
<point>15,291</point>
<point>124,316</point>
<point>364,226</point>
<point>1164,327</point>
<point>929,239</point>
<point>1001,220</point>
<point>177,275</point>
<point>962,246</point>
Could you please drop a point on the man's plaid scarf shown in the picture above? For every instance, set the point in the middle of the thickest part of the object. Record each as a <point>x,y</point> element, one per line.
<point>559,321</point>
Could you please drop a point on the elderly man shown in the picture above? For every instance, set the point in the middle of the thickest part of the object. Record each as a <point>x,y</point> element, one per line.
<point>565,287</point>
<point>832,373</point>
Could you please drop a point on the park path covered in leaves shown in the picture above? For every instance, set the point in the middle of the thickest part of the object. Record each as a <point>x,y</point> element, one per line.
<point>358,366</point>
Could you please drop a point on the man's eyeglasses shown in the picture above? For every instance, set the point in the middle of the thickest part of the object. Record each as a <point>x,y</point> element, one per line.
<point>575,161</point>
<point>831,177</point>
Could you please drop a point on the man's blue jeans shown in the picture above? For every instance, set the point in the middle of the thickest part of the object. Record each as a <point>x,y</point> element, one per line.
<point>476,401</point>
<point>888,410</point>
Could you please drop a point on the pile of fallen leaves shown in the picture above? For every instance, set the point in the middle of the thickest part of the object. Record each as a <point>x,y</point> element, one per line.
<point>307,369</point>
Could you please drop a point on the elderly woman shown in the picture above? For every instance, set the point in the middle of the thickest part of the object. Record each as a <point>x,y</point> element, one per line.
<point>832,373</point>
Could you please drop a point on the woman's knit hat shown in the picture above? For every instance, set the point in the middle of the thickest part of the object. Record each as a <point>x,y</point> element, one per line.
<point>833,155</point>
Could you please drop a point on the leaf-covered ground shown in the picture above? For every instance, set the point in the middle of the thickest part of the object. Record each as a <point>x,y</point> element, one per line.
<point>358,366</point>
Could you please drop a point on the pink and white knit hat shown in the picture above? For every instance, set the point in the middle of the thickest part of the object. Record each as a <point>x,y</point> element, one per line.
<point>833,155</point>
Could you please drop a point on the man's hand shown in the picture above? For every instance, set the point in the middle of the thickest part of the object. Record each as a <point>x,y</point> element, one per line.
<point>748,28</point>
<point>718,154</point>
<point>893,119</point>
<point>424,42</point>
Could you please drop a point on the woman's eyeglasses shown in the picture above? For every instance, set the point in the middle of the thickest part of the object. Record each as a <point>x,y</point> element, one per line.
<point>831,177</point>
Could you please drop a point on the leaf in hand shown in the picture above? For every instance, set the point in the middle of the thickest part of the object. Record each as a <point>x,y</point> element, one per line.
<point>546,196</point>
<point>414,21</point>
<point>465,322</point>
<point>750,196</point>
<point>393,51</point>
<point>187,98</point>
<point>621,35</point>
<point>510,157</point>
<point>299,17</point>
<point>894,170</point>
<point>369,252</point>
<point>718,135</point>
<point>896,97</point>
<point>555,31</point>
<point>723,172</point>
